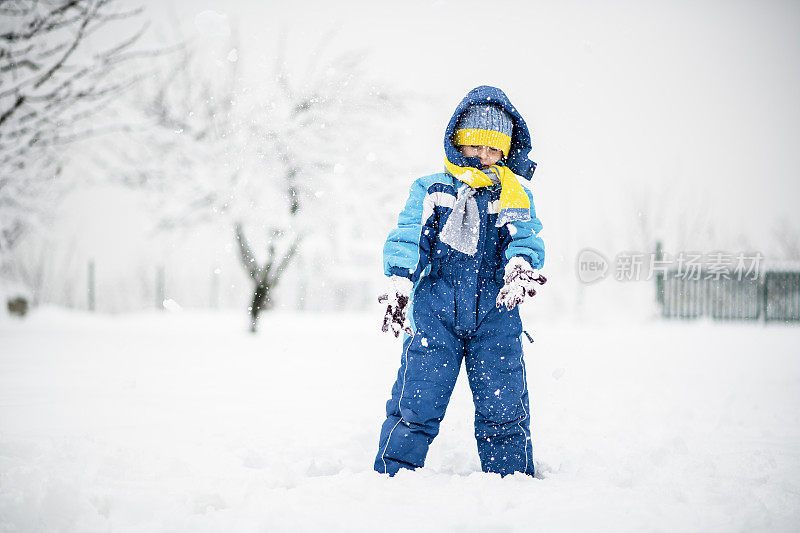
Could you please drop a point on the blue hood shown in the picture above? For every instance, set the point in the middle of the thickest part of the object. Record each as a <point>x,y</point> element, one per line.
<point>517,159</point>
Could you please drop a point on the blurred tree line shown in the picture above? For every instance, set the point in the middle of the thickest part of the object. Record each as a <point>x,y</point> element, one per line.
<point>289,168</point>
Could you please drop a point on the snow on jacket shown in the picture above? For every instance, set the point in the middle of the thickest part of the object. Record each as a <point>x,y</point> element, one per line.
<point>413,245</point>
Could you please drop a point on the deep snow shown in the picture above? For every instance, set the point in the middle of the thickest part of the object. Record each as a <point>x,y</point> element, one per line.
<point>185,422</point>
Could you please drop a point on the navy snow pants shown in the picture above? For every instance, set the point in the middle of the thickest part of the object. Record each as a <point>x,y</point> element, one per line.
<point>455,318</point>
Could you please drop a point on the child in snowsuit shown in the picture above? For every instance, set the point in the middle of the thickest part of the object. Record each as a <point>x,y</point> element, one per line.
<point>464,254</point>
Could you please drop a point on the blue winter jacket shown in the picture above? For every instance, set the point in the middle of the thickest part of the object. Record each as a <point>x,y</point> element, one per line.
<point>413,246</point>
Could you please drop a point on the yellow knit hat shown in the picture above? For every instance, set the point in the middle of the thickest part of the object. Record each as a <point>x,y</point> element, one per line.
<point>485,125</point>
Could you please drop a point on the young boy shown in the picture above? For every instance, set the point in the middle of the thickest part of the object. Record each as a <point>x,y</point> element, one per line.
<point>464,254</point>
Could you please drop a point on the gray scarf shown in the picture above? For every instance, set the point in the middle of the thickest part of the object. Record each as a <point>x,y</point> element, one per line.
<point>462,229</point>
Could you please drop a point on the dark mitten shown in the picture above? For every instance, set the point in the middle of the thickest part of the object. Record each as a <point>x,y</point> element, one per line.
<point>520,279</point>
<point>396,300</point>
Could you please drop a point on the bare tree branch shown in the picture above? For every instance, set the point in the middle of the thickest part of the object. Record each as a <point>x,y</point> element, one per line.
<point>78,37</point>
<point>16,105</point>
<point>287,258</point>
<point>246,254</point>
<point>53,88</point>
<point>46,23</point>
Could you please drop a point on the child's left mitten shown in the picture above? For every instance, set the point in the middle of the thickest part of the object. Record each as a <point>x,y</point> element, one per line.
<point>520,279</point>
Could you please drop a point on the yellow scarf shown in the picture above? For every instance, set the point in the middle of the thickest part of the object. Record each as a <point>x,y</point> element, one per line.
<point>514,202</point>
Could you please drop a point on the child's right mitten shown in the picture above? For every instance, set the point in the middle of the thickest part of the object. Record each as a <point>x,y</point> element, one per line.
<point>519,280</point>
<point>396,299</point>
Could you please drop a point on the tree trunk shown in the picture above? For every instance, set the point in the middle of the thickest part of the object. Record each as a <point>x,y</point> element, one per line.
<point>260,302</point>
<point>266,278</point>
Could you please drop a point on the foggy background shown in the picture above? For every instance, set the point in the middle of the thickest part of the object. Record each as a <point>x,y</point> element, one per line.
<point>672,121</point>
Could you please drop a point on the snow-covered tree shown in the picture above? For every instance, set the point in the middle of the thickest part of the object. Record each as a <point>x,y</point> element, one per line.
<point>61,63</point>
<point>278,163</point>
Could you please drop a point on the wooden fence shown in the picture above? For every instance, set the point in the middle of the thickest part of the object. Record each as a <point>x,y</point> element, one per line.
<point>774,295</point>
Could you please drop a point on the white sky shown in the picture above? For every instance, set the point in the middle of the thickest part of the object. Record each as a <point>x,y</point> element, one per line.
<point>697,97</point>
<point>692,103</point>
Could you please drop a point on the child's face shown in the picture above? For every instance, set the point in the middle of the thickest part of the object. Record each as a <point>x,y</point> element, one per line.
<point>488,155</point>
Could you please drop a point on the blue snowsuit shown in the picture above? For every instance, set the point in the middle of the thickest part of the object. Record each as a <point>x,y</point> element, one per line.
<point>453,316</point>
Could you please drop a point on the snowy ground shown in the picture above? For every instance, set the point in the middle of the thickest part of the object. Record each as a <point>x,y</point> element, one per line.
<point>184,422</point>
